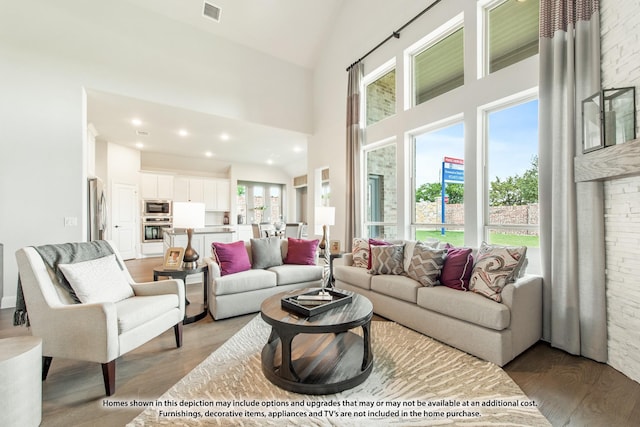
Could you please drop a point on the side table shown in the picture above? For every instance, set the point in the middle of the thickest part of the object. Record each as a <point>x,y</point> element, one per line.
<point>331,258</point>
<point>182,273</point>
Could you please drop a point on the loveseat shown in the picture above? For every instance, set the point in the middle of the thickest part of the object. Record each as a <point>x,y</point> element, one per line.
<point>239,282</point>
<point>472,322</point>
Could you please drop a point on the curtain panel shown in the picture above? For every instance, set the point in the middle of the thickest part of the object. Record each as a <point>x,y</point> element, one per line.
<point>571,214</point>
<point>354,143</point>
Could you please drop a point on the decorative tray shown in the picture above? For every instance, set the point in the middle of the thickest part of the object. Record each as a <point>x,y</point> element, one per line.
<point>310,303</point>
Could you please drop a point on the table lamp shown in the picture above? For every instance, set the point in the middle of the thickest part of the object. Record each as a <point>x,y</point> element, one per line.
<point>189,215</point>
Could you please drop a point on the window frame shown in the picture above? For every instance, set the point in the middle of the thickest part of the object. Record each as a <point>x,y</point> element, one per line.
<point>484,111</point>
<point>366,149</point>
<point>442,32</point>
<point>372,77</point>
<point>411,135</point>
<point>483,48</point>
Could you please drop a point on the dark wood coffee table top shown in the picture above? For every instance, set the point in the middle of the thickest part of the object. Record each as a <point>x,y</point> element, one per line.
<point>341,318</point>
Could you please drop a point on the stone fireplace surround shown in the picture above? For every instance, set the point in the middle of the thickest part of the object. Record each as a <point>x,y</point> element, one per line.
<point>619,168</point>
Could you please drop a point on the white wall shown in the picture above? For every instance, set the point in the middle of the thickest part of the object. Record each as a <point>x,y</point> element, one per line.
<point>620,29</point>
<point>361,25</point>
<point>52,50</point>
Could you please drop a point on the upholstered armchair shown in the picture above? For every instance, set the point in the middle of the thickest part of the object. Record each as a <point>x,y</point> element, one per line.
<point>96,331</point>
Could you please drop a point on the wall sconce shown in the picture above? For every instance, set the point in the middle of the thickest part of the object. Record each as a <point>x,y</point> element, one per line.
<point>608,118</point>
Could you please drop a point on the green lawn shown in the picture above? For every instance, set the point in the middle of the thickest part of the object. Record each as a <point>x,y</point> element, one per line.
<point>456,238</point>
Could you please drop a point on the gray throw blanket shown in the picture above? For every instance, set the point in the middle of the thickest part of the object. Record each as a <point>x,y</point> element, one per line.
<point>65,253</point>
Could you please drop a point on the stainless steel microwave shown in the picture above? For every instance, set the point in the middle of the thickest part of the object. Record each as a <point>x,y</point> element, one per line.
<point>156,208</point>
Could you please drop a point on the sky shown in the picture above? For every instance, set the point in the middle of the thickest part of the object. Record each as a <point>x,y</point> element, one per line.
<point>513,141</point>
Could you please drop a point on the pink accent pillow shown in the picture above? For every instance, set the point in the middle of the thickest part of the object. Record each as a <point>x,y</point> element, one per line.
<point>375,242</point>
<point>301,251</point>
<point>458,265</point>
<point>231,257</point>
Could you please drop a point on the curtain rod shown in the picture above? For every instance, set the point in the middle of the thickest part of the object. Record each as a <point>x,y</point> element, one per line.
<point>396,33</point>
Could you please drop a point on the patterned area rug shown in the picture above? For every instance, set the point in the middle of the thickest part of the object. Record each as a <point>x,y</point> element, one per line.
<point>415,381</point>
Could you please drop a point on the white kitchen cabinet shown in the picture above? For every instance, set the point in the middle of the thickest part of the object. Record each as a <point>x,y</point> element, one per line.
<point>245,232</point>
<point>189,189</point>
<point>216,195</point>
<point>156,186</point>
<point>223,195</point>
<point>196,190</point>
<point>165,187</point>
<point>181,189</point>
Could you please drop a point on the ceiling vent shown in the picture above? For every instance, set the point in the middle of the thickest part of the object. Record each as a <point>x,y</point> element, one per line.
<point>142,133</point>
<point>212,11</point>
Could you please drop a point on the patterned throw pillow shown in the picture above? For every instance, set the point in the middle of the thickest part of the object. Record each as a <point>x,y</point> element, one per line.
<point>387,259</point>
<point>375,242</point>
<point>426,264</point>
<point>495,267</point>
<point>360,252</point>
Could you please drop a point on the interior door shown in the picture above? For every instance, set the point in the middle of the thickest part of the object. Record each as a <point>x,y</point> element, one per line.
<point>124,223</point>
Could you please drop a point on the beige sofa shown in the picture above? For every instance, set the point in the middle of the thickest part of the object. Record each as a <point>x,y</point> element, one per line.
<point>492,331</point>
<point>242,293</point>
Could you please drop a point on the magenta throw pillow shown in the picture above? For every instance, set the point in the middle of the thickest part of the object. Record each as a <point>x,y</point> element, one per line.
<point>231,257</point>
<point>458,265</point>
<point>301,251</point>
<point>375,242</point>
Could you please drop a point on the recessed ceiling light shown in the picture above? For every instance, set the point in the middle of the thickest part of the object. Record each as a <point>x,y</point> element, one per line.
<point>269,162</point>
<point>224,136</point>
<point>297,149</point>
<point>136,122</point>
<point>183,132</point>
<point>208,154</point>
<point>139,145</point>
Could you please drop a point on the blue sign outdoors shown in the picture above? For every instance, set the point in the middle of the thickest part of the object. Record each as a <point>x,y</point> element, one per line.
<point>453,175</point>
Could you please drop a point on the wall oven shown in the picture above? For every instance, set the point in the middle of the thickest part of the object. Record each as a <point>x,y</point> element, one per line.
<point>153,228</point>
<point>156,208</point>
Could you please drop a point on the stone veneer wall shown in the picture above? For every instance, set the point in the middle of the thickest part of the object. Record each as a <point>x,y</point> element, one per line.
<point>620,44</point>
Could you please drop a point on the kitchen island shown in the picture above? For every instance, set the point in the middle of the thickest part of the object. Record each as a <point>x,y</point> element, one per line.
<point>201,239</point>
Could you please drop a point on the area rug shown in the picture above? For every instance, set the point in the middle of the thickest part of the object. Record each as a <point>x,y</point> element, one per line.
<point>415,381</point>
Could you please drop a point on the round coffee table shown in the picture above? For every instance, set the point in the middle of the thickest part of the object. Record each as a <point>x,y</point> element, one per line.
<point>319,354</point>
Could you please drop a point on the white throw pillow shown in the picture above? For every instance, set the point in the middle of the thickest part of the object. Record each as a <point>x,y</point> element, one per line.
<point>97,280</point>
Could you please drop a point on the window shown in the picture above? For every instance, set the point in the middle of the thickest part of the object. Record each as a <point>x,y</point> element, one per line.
<point>438,158</point>
<point>381,98</point>
<point>439,67</point>
<point>512,28</point>
<point>512,182</point>
<point>381,195</point>
<point>259,202</point>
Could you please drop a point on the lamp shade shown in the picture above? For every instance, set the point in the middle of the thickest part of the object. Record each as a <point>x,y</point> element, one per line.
<point>325,215</point>
<point>188,215</point>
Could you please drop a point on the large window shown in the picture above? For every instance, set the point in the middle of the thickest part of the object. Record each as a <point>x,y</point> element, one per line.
<point>512,32</point>
<point>439,67</point>
<point>512,178</point>
<point>382,192</point>
<point>438,160</point>
<point>259,202</point>
<point>381,97</point>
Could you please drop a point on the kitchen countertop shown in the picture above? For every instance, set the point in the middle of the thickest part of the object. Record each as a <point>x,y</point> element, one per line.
<point>205,230</point>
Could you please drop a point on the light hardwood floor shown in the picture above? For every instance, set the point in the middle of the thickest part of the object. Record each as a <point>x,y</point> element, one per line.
<point>570,391</point>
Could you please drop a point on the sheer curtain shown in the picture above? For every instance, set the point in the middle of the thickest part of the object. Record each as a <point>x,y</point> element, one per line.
<point>571,214</point>
<point>354,142</point>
